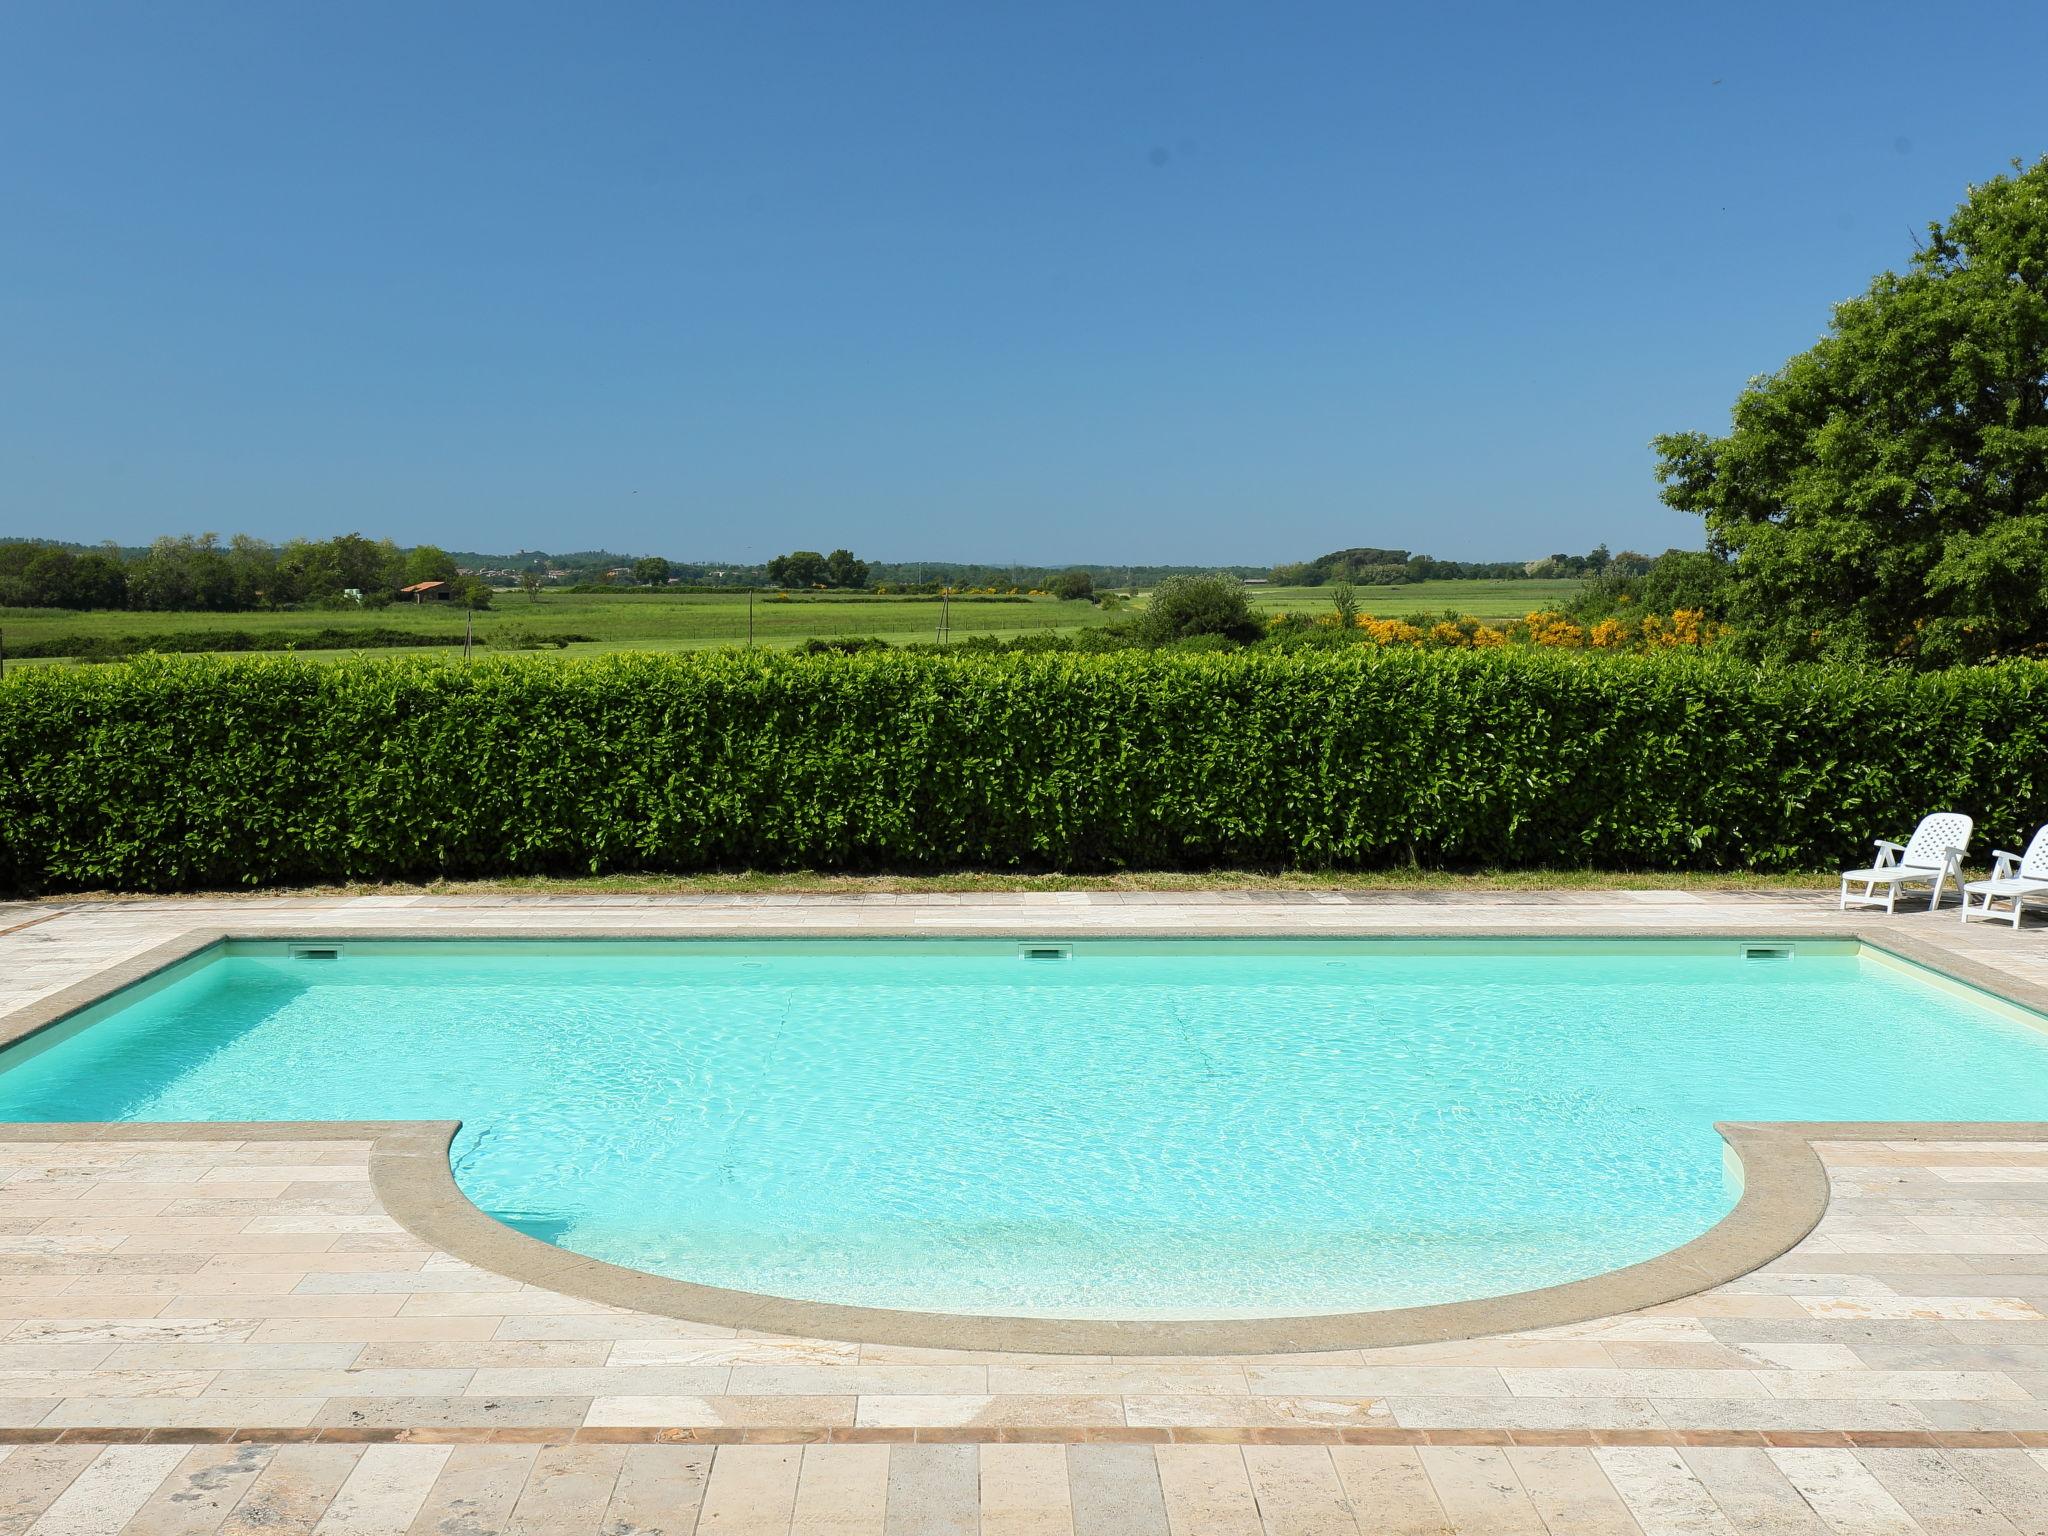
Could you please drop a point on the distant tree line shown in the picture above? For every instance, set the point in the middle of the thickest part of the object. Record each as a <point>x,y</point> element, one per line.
<point>1397,567</point>
<point>199,574</point>
<point>202,574</point>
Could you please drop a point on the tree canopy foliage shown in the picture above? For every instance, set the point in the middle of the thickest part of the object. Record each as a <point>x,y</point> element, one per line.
<point>199,574</point>
<point>808,568</point>
<point>1396,567</point>
<point>1072,586</point>
<point>1885,494</point>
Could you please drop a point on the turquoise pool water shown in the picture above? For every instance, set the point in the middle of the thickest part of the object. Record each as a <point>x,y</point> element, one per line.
<point>1190,1129</point>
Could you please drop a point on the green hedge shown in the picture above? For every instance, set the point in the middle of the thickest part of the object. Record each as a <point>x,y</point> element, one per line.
<point>186,773</point>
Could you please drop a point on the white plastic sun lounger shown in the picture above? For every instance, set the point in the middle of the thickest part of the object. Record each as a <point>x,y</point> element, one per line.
<point>1933,853</point>
<point>2014,877</point>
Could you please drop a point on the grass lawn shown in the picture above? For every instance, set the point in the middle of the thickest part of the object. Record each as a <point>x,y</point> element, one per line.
<point>802,882</point>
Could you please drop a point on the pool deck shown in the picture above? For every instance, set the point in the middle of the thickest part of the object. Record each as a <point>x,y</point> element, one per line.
<point>228,1330</point>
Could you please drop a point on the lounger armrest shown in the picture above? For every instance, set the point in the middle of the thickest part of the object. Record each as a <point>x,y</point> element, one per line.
<point>1888,853</point>
<point>2003,863</point>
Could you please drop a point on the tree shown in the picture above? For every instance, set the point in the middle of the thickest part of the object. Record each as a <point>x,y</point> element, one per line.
<point>45,576</point>
<point>1885,494</point>
<point>472,593</point>
<point>529,583</point>
<point>1073,586</point>
<point>1685,578</point>
<point>1183,607</point>
<point>180,575</point>
<point>252,567</point>
<point>800,568</point>
<point>842,570</point>
<point>426,563</point>
<point>310,570</point>
<point>650,571</point>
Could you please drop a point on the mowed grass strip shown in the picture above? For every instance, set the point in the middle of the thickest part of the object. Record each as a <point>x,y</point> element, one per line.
<point>614,622</point>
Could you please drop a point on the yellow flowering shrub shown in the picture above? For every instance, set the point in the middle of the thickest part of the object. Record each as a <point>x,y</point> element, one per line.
<point>1389,631</point>
<point>1547,628</point>
<point>1551,628</point>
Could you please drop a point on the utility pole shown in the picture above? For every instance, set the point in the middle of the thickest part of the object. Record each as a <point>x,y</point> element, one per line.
<point>468,635</point>
<point>750,618</point>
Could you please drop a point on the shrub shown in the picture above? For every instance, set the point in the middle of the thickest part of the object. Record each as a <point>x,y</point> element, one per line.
<point>849,645</point>
<point>193,641</point>
<point>1072,586</point>
<point>205,772</point>
<point>1183,606</point>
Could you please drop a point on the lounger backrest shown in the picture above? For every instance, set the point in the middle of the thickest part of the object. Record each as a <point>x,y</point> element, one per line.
<point>2034,862</point>
<point>1931,841</point>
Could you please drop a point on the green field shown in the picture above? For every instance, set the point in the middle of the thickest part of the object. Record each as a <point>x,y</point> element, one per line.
<point>1480,599</point>
<point>682,621</point>
<point>640,622</point>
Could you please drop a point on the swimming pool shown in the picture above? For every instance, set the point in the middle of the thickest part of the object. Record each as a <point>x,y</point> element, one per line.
<point>1097,1129</point>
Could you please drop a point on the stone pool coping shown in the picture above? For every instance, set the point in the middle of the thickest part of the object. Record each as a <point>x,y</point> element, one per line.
<point>1785,1194</point>
<point>1785,1191</point>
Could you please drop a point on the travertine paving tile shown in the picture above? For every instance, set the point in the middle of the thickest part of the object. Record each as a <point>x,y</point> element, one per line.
<point>1024,1491</point>
<point>441,1412</point>
<point>1571,1491</point>
<point>802,1412</point>
<point>1074,1412</point>
<point>31,1477</point>
<point>1843,1492</point>
<point>385,1490</point>
<point>1480,1491</point>
<point>1751,1491</point>
<point>1390,1491</point>
<point>477,1488</point>
<point>199,1491</point>
<point>2014,1482</point>
<point>1298,1491</point>
<point>842,1490</point>
<point>1220,1409</point>
<point>1206,1489</point>
<point>1662,1493</point>
<point>659,1492</point>
<point>1115,1491</point>
<point>568,1489</point>
<point>1941,1501</point>
<point>109,1492</point>
<point>752,1490</point>
<point>292,1492</point>
<point>934,1490</point>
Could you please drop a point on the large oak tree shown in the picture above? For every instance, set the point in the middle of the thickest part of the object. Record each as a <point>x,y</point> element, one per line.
<point>1885,494</point>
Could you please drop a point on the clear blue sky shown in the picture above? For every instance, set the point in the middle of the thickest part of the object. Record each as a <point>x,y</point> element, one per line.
<point>1093,281</point>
